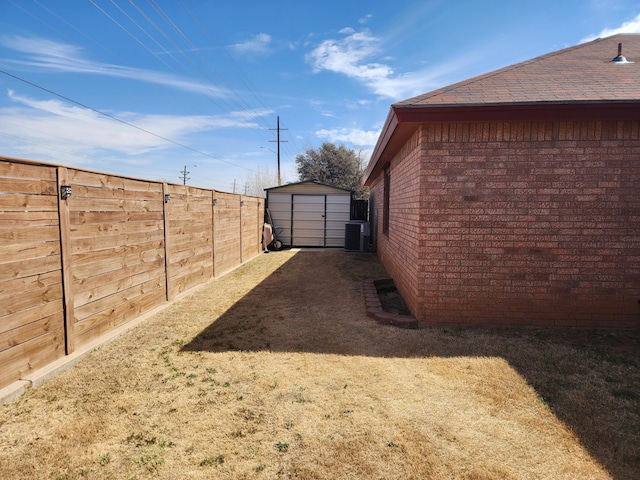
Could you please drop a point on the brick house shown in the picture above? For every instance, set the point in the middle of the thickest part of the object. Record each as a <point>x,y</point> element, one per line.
<point>513,198</point>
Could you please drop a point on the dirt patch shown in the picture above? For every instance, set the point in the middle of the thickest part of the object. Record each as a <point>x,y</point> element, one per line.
<point>390,299</point>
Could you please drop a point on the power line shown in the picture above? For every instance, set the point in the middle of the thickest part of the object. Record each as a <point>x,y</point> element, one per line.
<point>123,121</point>
<point>233,101</point>
<point>237,99</point>
<point>225,55</point>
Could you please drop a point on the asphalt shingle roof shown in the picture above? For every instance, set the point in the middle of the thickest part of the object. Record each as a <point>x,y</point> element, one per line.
<point>583,73</point>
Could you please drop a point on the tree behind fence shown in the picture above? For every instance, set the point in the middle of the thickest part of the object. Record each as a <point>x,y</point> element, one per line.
<point>74,269</point>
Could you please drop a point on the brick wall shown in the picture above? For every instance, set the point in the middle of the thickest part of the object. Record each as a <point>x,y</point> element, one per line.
<point>399,249</point>
<point>534,223</point>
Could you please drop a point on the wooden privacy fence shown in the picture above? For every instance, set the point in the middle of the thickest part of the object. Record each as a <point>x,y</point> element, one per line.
<point>72,269</point>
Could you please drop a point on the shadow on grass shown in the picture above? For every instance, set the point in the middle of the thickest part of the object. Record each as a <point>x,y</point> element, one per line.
<point>313,303</point>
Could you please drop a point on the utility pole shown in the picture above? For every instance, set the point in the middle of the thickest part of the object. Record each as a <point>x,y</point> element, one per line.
<point>184,173</point>
<point>279,142</point>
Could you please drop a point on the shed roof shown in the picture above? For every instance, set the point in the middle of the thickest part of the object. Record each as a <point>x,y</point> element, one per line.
<point>309,182</point>
<point>580,82</point>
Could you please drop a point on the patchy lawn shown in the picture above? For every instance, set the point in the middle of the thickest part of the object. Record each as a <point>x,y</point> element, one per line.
<point>275,371</point>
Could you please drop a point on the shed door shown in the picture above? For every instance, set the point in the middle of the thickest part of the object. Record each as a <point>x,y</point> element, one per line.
<point>308,220</point>
<point>337,214</point>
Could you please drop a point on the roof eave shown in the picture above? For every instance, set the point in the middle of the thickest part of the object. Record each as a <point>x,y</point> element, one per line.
<point>315,182</point>
<point>404,120</point>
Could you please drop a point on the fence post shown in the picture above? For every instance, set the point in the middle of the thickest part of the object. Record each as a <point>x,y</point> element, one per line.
<point>240,207</point>
<point>165,215</point>
<point>65,258</point>
<point>259,229</point>
<point>213,231</point>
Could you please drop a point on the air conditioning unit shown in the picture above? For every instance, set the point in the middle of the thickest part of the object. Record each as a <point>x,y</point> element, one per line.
<point>356,236</point>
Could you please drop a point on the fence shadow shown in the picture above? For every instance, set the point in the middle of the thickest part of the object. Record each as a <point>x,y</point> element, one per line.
<point>314,304</point>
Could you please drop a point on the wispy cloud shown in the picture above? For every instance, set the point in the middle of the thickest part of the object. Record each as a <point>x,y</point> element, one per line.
<point>48,56</point>
<point>84,132</point>
<point>258,45</point>
<point>354,56</point>
<point>632,26</point>
<point>355,136</point>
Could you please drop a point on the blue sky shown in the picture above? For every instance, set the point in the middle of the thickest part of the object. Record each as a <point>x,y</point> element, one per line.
<point>142,88</point>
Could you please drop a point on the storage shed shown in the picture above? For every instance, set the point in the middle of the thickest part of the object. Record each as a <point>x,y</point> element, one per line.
<point>309,213</point>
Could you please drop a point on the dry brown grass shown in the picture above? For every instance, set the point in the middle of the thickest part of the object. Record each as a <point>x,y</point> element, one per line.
<point>274,371</point>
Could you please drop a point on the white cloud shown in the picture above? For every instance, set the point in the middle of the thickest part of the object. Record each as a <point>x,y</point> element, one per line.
<point>632,26</point>
<point>349,56</point>
<point>257,45</point>
<point>84,132</point>
<point>354,136</point>
<point>50,56</point>
<point>365,19</point>
<point>353,56</point>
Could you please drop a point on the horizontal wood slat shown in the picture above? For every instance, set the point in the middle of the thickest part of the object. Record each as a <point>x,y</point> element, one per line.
<point>33,187</point>
<point>18,202</point>
<point>23,219</point>
<point>23,359</point>
<point>27,251</point>
<point>27,331</point>
<point>18,170</point>
<point>41,310</point>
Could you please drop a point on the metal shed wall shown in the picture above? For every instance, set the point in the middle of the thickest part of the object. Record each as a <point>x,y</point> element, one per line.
<point>309,214</point>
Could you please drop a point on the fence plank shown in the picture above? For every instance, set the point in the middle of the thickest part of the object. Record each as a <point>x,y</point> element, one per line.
<point>41,310</point>
<point>33,187</point>
<point>26,332</point>
<point>81,177</point>
<point>28,251</point>
<point>14,169</point>
<point>112,318</point>
<point>106,289</point>
<point>22,219</point>
<point>92,243</point>
<point>15,303</point>
<point>99,230</point>
<point>123,295</point>
<point>22,202</point>
<point>28,267</point>
<point>29,234</point>
<point>31,355</point>
<point>25,284</point>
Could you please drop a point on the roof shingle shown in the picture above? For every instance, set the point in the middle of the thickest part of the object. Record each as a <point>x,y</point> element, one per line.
<point>581,73</point>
